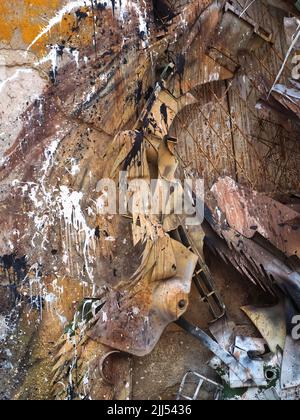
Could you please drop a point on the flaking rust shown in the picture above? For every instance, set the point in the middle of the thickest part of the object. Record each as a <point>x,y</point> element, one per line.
<point>112,102</point>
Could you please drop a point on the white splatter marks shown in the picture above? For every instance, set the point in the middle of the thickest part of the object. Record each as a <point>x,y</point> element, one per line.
<point>37,289</point>
<point>141,12</point>
<point>140,8</point>
<point>56,20</point>
<point>42,198</point>
<point>3,328</point>
<point>77,230</point>
<point>75,168</point>
<point>71,207</point>
<point>50,57</point>
<point>104,316</point>
<point>49,155</point>
<point>52,206</point>
<point>40,296</point>
<point>56,53</point>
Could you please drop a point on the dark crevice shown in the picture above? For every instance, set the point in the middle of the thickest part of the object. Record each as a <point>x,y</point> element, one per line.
<point>17,265</point>
<point>163,13</point>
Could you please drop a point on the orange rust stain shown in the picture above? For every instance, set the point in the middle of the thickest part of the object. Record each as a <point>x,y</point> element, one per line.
<point>34,12</point>
<point>25,16</point>
<point>29,17</point>
<point>5,26</point>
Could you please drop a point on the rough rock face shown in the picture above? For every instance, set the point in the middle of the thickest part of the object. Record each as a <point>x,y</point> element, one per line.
<point>79,81</point>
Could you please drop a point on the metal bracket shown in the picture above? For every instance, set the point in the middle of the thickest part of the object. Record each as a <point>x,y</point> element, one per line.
<point>193,383</point>
<point>257,29</point>
<point>203,279</point>
<point>242,372</point>
<point>235,32</point>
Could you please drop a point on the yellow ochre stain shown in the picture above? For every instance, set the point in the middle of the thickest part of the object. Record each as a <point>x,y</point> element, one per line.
<point>29,17</point>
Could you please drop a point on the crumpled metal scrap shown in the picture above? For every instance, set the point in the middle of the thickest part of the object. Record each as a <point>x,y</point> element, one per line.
<point>271,263</point>
<point>133,320</point>
<point>249,212</point>
<point>264,262</point>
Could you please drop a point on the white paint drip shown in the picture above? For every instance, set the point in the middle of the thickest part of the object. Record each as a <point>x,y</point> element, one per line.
<point>56,20</point>
<point>52,57</point>
<point>55,53</point>
<point>49,155</point>
<point>40,295</point>
<point>142,16</point>
<point>37,288</point>
<point>70,7</point>
<point>76,227</point>
<point>3,328</point>
<point>64,205</point>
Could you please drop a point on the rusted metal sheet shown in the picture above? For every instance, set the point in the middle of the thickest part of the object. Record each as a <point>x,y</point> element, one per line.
<point>204,134</point>
<point>271,323</point>
<point>258,137</point>
<point>289,96</point>
<point>249,212</point>
<point>246,137</point>
<point>256,261</point>
<point>234,25</point>
<point>133,320</point>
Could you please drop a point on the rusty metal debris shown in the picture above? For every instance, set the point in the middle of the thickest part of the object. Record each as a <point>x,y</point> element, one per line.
<point>271,323</point>
<point>133,320</point>
<point>249,212</point>
<point>261,262</point>
<point>244,221</point>
<point>163,93</point>
<point>202,277</point>
<point>235,25</point>
<point>290,370</point>
<point>196,387</point>
<point>239,366</point>
<point>243,348</point>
